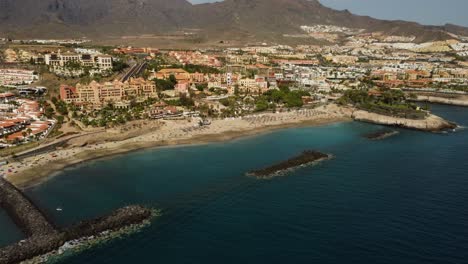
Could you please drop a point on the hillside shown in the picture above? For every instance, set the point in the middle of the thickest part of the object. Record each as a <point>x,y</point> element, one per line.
<point>230,19</point>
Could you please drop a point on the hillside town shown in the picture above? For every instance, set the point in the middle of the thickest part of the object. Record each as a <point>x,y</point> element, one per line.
<point>53,87</point>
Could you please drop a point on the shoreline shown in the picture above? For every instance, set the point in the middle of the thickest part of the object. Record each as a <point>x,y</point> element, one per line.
<point>434,98</point>
<point>431,123</point>
<point>35,175</point>
<point>34,170</point>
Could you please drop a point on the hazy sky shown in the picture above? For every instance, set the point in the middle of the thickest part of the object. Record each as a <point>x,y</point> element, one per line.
<point>434,12</point>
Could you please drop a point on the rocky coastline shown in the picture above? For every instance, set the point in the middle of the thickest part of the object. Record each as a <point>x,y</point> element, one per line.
<point>305,158</point>
<point>456,101</point>
<point>431,123</point>
<point>44,237</point>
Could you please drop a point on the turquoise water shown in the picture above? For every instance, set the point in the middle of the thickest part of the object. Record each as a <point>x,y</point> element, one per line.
<point>399,200</point>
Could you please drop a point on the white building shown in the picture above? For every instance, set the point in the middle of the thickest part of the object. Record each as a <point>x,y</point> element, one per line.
<point>11,77</point>
<point>101,62</point>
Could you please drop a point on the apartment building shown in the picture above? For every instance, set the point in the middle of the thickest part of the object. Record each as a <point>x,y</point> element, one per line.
<point>11,77</point>
<point>98,93</point>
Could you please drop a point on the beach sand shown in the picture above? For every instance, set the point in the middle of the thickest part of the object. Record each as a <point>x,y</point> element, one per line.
<point>36,169</point>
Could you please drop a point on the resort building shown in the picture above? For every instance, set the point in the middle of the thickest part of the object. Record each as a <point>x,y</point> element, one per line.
<point>12,77</point>
<point>165,74</point>
<point>74,64</point>
<point>98,93</point>
<point>103,62</point>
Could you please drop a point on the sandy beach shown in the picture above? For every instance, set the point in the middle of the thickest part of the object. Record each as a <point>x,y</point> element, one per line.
<point>35,169</point>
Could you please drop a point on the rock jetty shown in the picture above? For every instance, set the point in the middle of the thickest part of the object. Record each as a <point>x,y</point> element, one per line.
<point>306,158</point>
<point>23,212</point>
<point>381,134</point>
<point>44,237</point>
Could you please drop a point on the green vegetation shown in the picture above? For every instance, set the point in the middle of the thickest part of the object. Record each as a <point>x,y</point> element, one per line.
<point>156,63</point>
<point>60,105</point>
<point>119,66</point>
<point>163,85</point>
<point>183,100</point>
<point>201,86</point>
<point>192,68</point>
<point>18,149</point>
<point>73,65</point>
<point>387,102</point>
<point>111,116</point>
<point>283,96</point>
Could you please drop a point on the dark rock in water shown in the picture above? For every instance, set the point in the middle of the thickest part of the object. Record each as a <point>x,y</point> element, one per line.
<point>306,158</point>
<point>382,134</point>
<point>23,212</point>
<point>38,245</point>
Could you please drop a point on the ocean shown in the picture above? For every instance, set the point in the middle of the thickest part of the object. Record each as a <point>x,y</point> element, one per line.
<point>398,200</point>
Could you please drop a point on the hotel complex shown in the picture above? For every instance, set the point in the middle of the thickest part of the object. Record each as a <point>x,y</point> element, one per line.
<point>103,62</point>
<point>99,93</point>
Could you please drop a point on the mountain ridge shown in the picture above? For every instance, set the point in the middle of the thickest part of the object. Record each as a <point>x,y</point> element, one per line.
<point>229,19</point>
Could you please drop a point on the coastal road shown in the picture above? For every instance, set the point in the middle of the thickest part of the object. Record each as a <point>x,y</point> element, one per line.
<point>50,147</point>
<point>135,70</point>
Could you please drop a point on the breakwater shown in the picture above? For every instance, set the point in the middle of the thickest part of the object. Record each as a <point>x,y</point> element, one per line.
<point>382,134</point>
<point>44,237</point>
<point>23,212</point>
<point>305,158</point>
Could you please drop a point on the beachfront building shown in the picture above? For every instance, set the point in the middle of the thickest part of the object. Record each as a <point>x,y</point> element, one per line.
<point>96,93</point>
<point>23,121</point>
<point>257,85</point>
<point>30,130</point>
<point>13,77</point>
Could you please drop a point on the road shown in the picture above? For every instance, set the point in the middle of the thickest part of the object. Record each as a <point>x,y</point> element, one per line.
<point>134,71</point>
<point>50,146</point>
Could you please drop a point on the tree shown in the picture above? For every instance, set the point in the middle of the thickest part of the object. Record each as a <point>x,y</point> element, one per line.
<point>186,101</point>
<point>60,119</point>
<point>119,66</point>
<point>201,86</point>
<point>261,105</point>
<point>236,90</point>
<point>173,79</point>
<point>49,112</point>
<point>163,85</point>
<point>192,68</point>
<point>293,100</point>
